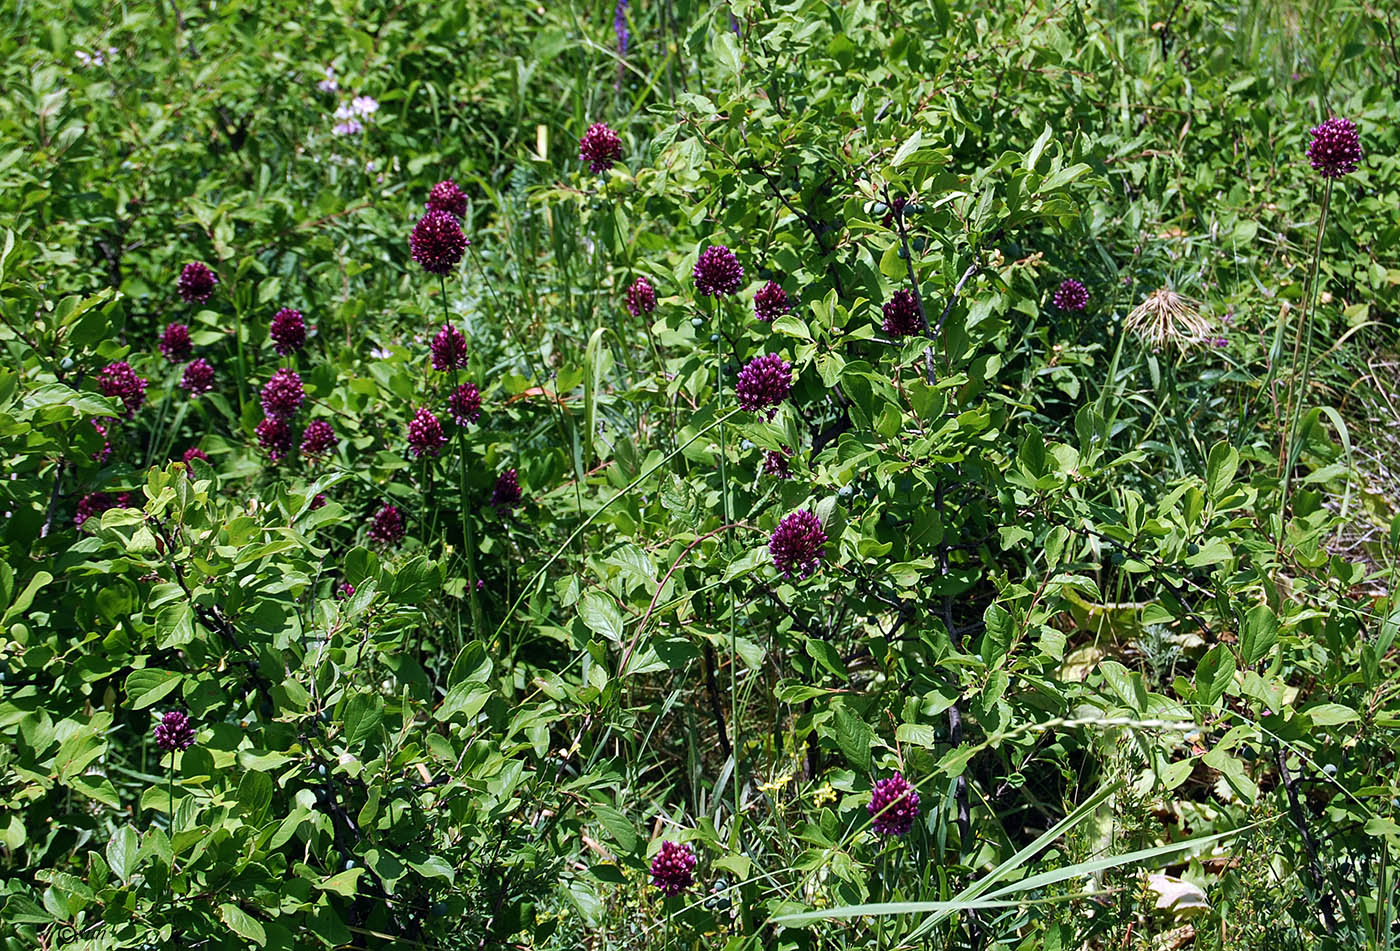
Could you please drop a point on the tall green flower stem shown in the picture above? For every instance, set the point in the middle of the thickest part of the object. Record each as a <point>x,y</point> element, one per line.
<point>463,510</point>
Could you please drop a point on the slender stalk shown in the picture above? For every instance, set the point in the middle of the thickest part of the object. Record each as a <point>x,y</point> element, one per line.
<point>463,511</point>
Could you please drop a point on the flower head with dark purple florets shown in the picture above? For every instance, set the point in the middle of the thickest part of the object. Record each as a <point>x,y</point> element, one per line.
<point>174,732</point>
<point>317,439</point>
<point>465,404</point>
<point>437,242</point>
<point>275,437</point>
<point>771,302</point>
<point>196,282</point>
<point>506,495</point>
<point>1335,149</point>
<point>447,197</point>
<point>175,343</point>
<point>283,395</point>
<point>120,382</point>
<point>1070,295</point>
<point>193,453</point>
<point>798,544</point>
<point>345,591</point>
<point>288,331</point>
<point>902,317</point>
<point>641,297</point>
<point>425,433</point>
<point>673,868</point>
<point>600,147</point>
<point>777,462</point>
<point>95,503</point>
<point>763,383</point>
<point>449,349</point>
<point>717,272</point>
<point>387,526</point>
<point>894,805</point>
<point>198,377</point>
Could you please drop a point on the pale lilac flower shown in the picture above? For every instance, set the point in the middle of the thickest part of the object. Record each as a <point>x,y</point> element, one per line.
<point>364,106</point>
<point>328,84</point>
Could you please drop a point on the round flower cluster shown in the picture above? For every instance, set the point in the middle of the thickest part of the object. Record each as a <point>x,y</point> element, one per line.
<point>641,297</point>
<point>763,383</point>
<point>283,395</point>
<point>717,272</point>
<point>425,433</point>
<point>198,377</point>
<point>771,302</point>
<point>894,805</point>
<point>1335,149</point>
<point>275,436</point>
<point>175,343</point>
<point>449,349</point>
<point>437,242</point>
<point>673,868</point>
<point>95,503</point>
<point>798,544</point>
<point>506,495</point>
<point>1071,295</point>
<point>448,198</point>
<point>777,462</point>
<point>288,331</point>
<point>902,317</point>
<point>193,453</point>
<point>465,404</point>
<point>386,528</point>
<point>196,282</point>
<point>174,732</point>
<point>120,382</point>
<point>600,147</point>
<point>318,438</point>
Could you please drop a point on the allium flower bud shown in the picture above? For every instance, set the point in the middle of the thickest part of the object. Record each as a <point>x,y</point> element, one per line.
<point>902,317</point>
<point>95,503</point>
<point>1071,295</point>
<point>288,331</point>
<point>764,383</point>
<point>717,272</point>
<point>173,732</point>
<point>465,404</point>
<point>506,495</point>
<point>196,282</point>
<point>1335,149</point>
<point>600,147</point>
<point>771,302</point>
<point>425,433</point>
<point>447,197</point>
<point>275,436</point>
<point>437,242</point>
<point>641,297</point>
<point>673,868</point>
<point>387,526</point>
<point>776,462</point>
<point>175,343</point>
<point>317,501</point>
<point>283,395</point>
<point>798,544</point>
<point>449,349</point>
<point>198,377</point>
<point>119,381</point>
<point>318,438</point>
<point>193,453</point>
<point>894,805</point>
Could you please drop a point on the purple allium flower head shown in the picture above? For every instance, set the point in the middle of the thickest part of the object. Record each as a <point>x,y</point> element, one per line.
<point>506,495</point>
<point>449,349</point>
<point>447,197</point>
<point>318,438</point>
<point>275,436</point>
<point>894,805</point>
<point>776,462</point>
<point>1335,149</point>
<point>771,302</point>
<point>288,331</point>
<point>283,395</point>
<point>465,404</point>
<point>641,297</point>
<point>798,544</point>
<point>196,283</point>
<point>173,732</point>
<point>198,377</point>
<point>425,433</point>
<point>317,501</point>
<point>1070,295</point>
<point>437,242</point>
<point>345,591</point>
<point>175,343</point>
<point>387,526</point>
<point>600,147</point>
<point>102,425</point>
<point>673,868</point>
<point>717,272</point>
<point>119,381</point>
<point>193,453</point>
<point>902,317</point>
<point>764,383</point>
<point>95,503</point>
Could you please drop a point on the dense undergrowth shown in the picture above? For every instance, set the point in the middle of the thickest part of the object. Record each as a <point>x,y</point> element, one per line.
<point>993,545</point>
